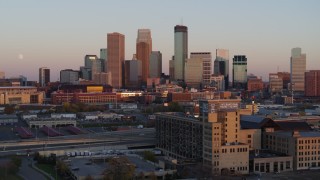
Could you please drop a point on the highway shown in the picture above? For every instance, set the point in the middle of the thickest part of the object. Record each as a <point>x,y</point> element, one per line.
<point>129,137</point>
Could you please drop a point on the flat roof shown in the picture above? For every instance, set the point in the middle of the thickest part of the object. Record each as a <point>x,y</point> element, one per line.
<point>18,87</point>
<point>302,133</point>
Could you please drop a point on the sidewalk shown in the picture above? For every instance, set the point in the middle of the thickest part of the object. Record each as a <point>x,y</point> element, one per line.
<point>29,173</point>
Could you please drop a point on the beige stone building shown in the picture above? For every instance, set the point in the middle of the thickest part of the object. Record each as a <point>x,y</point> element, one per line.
<point>20,95</point>
<point>222,150</point>
<point>303,146</point>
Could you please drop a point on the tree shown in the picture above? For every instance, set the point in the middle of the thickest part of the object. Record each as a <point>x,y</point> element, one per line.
<point>62,167</point>
<point>119,168</point>
<point>89,177</point>
<point>148,155</point>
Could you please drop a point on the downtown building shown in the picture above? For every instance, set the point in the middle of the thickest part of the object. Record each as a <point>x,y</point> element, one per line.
<point>115,56</point>
<point>155,68</point>
<point>133,73</point>
<point>297,70</point>
<point>278,82</point>
<point>206,65</point>
<point>69,76</point>
<point>93,64</point>
<point>221,65</point>
<point>180,51</point>
<point>239,69</point>
<point>143,52</point>
<point>21,95</point>
<point>44,76</point>
<point>213,138</point>
<point>312,83</point>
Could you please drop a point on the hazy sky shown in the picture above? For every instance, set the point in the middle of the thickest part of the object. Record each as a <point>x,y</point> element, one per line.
<point>58,34</point>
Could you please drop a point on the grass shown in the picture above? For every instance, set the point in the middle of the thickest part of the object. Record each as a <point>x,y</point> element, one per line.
<point>48,168</point>
<point>13,177</point>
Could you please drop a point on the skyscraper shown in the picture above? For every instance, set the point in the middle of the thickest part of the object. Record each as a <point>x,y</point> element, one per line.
<point>103,58</point>
<point>95,64</point>
<point>133,73</point>
<point>180,50</point>
<point>239,72</point>
<point>155,68</point>
<point>44,76</point>
<point>297,69</point>
<point>2,75</point>
<point>143,51</point>
<point>221,65</point>
<point>206,65</point>
<point>115,56</point>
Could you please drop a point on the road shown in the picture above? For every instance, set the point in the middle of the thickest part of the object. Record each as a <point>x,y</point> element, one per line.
<point>27,172</point>
<point>129,137</point>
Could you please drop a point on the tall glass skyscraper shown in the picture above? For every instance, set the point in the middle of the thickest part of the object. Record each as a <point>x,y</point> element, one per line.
<point>221,65</point>
<point>180,50</point>
<point>239,72</point>
<point>297,69</point>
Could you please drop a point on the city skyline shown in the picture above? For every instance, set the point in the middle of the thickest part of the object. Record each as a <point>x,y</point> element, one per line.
<point>36,36</point>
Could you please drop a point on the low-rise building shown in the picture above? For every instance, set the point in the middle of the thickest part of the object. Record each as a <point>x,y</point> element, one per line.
<point>21,95</point>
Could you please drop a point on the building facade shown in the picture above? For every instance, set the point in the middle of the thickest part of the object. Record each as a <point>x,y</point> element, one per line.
<point>193,72</point>
<point>21,95</point>
<point>180,51</point>
<point>218,82</point>
<point>69,76</point>
<point>239,69</point>
<point>44,76</point>
<point>297,69</point>
<point>143,51</point>
<point>115,56</point>
<point>155,68</point>
<point>221,65</point>
<point>206,65</point>
<point>312,83</point>
<point>133,73</point>
<point>93,63</point>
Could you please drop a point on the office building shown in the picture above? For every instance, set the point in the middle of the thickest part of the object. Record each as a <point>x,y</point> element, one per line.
<point>206,67</point>
<point>155,68</point>
<point>85,73</point>
<point>133,73</point>
<point>194,72</point>
<point>297,69</point>
<point>221,65</point>
<point>94,64</point>
<point>180,51</point>
<point>218,82</point>
<point>69,76</point>
<point>239,72</point>
<point>275,83</point>
<point>254,84</point>
<point>171,68</point>
<point>2,75</point>
<point>102,78</point>
<point>104,60</point>
<point>44,76</point>
<point>143,51</point>
<point>312,83</point>
<point>115,56</point>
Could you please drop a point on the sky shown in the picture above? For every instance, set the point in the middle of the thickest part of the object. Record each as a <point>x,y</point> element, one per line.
<point>58,34</point>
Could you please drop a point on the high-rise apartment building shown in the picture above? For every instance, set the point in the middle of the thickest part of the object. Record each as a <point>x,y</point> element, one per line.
<point>297,69</point>
<point>221,65</point>
<point>143,51</point>
<point>206,65</point>
<point>180,51</point>
<point>155,68</point>
<point>115,56</point>
<point>69,76</point>
<point>312,83</point>
<point>44,76</point>
<point>239,72</point>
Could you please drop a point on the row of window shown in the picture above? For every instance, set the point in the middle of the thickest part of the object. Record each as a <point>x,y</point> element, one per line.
<point>233,150</point>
